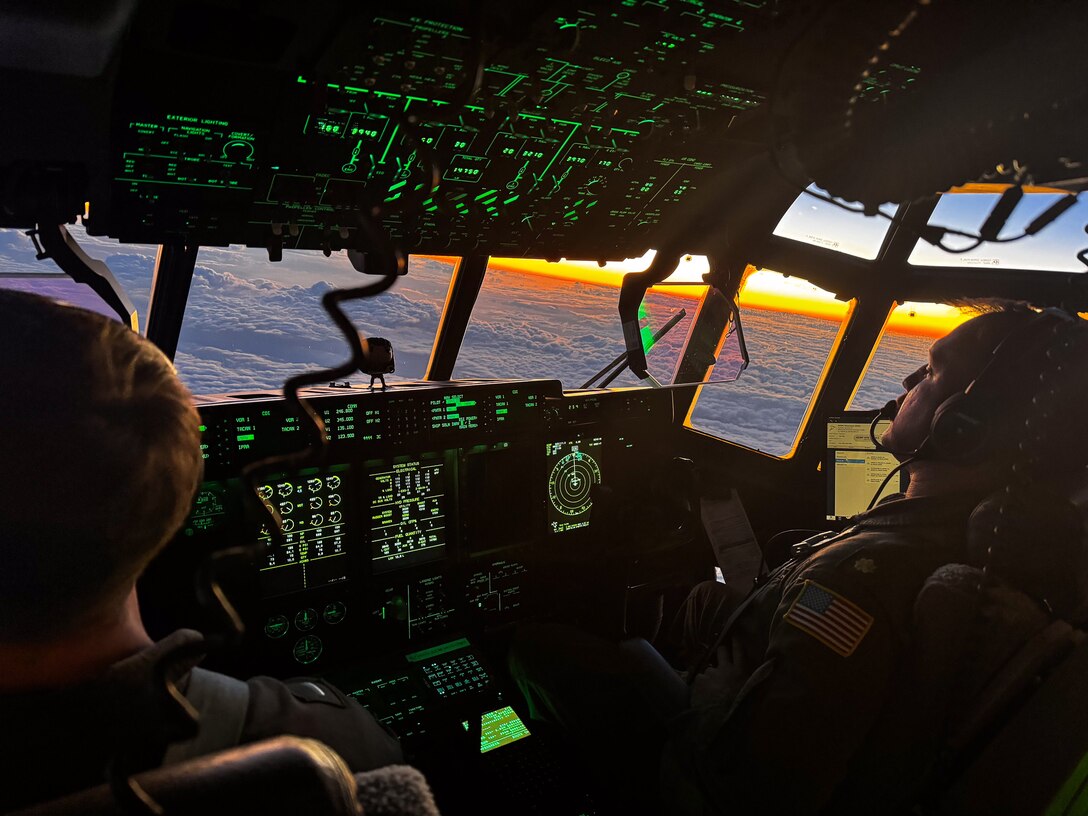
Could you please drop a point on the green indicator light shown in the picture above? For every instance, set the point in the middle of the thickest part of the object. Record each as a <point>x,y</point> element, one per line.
<point>644,329</point>
<point>434,651</point>
<point>334,87</point>
<point>501,411</point>
<point>512,199</point>
<point>203,428</point>
<point>301,81</point>
<point>245,437</point>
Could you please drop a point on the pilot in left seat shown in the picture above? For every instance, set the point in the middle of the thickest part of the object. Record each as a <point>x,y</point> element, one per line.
<point>99,460</point>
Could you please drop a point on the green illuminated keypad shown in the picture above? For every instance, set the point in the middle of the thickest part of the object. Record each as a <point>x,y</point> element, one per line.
<point>457,675</point>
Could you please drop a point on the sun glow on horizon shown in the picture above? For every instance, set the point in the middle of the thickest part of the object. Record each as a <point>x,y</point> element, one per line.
<point>762,289</point>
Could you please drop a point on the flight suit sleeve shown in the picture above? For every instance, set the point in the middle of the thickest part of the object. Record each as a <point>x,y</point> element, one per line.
<point>784,741</point>
<point>310,707</point>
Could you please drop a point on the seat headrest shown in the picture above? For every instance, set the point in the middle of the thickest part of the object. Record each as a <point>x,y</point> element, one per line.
<point>1033,539</point>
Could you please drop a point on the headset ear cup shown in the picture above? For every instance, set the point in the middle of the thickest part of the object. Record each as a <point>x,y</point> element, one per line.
<point>957,433</point>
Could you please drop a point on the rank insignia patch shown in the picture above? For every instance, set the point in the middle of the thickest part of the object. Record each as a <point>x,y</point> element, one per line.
<point>830,618</point>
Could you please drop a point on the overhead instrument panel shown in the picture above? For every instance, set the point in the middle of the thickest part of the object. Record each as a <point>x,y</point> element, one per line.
<point>574,130</point>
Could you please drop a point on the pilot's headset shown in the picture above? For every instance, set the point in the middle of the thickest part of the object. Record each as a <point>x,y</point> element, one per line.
<point>971,426</point>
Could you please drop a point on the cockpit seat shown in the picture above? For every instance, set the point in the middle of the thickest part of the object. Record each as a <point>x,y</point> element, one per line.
<point>1000,661</point>
<point>284,775</point>
<point>988,713</point>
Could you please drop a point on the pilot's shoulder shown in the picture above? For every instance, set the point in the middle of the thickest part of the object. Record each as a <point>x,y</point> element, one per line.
<point>880,570</point>
<point>312,707</point>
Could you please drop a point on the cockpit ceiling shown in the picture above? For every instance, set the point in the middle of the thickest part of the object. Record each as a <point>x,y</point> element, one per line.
<point>579,129</point>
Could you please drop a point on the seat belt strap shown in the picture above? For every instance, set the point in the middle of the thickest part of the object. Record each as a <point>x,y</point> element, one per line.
<point>801,552</point>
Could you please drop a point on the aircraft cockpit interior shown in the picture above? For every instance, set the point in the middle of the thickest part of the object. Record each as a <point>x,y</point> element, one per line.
<point>551,311</point>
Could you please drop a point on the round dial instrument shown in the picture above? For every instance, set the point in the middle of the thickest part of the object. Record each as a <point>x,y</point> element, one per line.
<point>307,649</point>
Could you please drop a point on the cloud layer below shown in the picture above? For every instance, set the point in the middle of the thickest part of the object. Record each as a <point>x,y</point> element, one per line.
<point>249,325</point>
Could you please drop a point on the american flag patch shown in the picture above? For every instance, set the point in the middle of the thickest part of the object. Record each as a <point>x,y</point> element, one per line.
<point>830,618</point>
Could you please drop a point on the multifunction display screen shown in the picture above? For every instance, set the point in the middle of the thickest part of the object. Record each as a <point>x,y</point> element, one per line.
<point>408,513</point>
<point>500,728</point>
<point>855,469</point>
<point>573,469</point>
<point>313,515</point>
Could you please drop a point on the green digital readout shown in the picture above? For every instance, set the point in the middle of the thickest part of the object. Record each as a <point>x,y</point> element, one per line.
<point>499,728</point>
<point>407,514</point>
<point>351,421</point>
<point>455,412</point>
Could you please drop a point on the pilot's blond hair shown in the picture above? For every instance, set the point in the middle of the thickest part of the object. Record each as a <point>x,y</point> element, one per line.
<point>99,460</point>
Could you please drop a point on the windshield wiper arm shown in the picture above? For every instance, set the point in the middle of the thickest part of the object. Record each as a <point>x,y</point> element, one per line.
<point>621,361</point>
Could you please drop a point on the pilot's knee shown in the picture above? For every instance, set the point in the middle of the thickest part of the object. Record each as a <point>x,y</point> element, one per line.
<point>708,593</point>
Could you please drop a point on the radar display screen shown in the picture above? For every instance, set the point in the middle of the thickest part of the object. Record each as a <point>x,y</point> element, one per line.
<point>407,513</point>
<point>573,469</point>
<point>313,517</point>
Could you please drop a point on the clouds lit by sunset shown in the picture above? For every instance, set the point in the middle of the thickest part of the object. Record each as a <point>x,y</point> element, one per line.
<point>762,289</point>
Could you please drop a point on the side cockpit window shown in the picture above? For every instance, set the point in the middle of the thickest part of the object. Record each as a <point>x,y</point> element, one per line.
<point>132,266</point>
<point>908,334</point>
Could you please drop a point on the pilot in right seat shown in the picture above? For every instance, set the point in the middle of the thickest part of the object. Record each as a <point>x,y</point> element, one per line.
<point>99,461</point>
<point>802,674</point>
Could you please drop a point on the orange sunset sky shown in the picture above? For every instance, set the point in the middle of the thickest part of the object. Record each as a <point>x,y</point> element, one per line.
<point>762,289</point>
